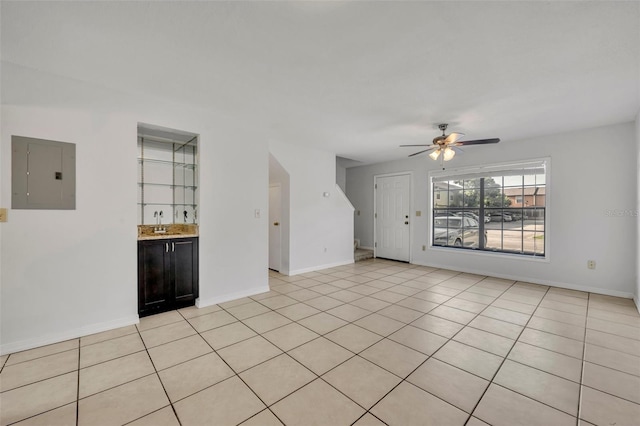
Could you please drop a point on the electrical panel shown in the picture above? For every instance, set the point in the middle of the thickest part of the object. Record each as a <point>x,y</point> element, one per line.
<point>43,174</point>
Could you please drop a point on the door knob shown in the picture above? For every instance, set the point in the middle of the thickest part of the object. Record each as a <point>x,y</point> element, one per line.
<point>276,223</point>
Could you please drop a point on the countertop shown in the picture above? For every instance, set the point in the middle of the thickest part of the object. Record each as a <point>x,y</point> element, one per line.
<point>175,230</point>
<point>165,236</point>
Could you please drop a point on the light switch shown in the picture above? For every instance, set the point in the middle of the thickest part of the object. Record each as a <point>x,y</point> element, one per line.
<point>256,213</point>
<point>3,215</point>
<point>418,213</point>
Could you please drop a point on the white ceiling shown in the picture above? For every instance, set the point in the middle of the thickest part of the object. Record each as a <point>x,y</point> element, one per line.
<point>355,78</point>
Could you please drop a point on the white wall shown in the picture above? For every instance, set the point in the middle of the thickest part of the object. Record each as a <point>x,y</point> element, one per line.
<point>341,174</point>
<point>587,178</point>
<point>69,273</point>
<point>321,228</point>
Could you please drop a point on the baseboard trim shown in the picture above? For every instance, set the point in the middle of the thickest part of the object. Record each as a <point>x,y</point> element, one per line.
<point>604,291</point>
<point>366,248</point>
<point>23,345</point>
<point>320,267</point>
<point>636,300</point>
<point>203,303</point>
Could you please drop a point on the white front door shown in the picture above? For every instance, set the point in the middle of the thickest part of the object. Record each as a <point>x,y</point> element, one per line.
<point>392,223</point>
<point>275,244</point>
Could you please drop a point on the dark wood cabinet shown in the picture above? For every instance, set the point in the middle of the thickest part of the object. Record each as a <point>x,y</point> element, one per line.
<point>167,274</point>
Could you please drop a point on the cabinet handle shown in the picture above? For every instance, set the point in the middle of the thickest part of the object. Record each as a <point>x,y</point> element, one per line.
<point>166,247</point>
<point>173,246</point>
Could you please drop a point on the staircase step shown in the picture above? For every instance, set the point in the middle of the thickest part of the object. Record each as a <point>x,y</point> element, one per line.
<point>362,254</point>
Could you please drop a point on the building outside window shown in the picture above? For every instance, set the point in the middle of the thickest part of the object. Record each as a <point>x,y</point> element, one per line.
<point>495,208</point>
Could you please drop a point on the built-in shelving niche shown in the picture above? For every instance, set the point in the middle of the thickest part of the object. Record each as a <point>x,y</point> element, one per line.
<point>167,175</point>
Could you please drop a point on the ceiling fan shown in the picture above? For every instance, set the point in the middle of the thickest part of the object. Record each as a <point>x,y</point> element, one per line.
<point>446,144</point>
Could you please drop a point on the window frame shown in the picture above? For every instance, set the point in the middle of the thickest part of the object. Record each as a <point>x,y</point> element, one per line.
<point>487,171</point>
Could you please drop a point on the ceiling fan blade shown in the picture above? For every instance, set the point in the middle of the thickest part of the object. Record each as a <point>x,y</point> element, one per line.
<point>453,137</point>
<point>420,152</point>
<point>478,142</point>
<point>423,144</point>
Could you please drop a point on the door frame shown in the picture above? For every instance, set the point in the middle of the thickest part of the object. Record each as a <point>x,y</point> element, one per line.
<point>375,203</point>
<point>279,186</point>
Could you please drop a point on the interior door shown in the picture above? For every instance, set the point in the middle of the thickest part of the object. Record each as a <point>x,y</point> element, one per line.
<point>275,243</point>
<point>392,222</point>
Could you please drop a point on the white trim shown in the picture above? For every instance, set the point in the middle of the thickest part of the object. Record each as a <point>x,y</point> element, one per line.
<point>488,253</point>
<point>375,219</point>
<point>344,197</point>
<point>203,303</point>
<point>366,248</point>
<point>495,167</point>
<point>636,300</point>
<point>320,267</point>
<point>22,345</point>
<point>532,280</point>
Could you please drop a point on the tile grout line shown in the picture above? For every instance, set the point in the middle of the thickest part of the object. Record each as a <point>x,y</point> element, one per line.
<point>451,339</point>
<point>158,375</point>
<point>504,360</point>
<point>5,362</point>
<point>423,314</point>
<point>515,341</point>
<point>582,364</point>
<point>355,355</point>
<point>428,357</point>
<point>345,361</point>
<point>78,389</point>
<point>235,374</point>
<point>318,377</point>
<point>384,337</point>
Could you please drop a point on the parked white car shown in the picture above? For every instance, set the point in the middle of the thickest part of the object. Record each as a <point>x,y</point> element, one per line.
<point>456,231</point>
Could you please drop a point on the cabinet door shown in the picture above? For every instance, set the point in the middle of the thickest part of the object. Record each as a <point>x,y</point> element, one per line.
<point>185,270</point>
<point>154,265</point>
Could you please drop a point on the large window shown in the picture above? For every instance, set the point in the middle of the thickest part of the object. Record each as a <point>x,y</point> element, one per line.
<point>497,209</point>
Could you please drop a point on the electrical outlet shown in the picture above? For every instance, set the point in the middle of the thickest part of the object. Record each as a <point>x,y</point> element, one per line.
<point>3,215</point>
<point>591,264</point>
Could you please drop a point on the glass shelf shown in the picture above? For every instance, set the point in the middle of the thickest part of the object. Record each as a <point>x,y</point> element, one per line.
<point>169,185</point>
<point>168,163</point>
<point>167,204</point>
<point>167,171</point>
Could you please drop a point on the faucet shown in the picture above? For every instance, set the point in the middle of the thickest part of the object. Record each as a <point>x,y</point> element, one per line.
<point>159,228</point>
<point>185,216</point>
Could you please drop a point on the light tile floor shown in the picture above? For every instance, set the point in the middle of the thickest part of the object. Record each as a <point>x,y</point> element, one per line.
<point>377,342</point>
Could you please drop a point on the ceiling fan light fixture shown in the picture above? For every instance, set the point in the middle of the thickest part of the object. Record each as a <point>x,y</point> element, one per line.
<point>448,154</point>
<point>447,145</point>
